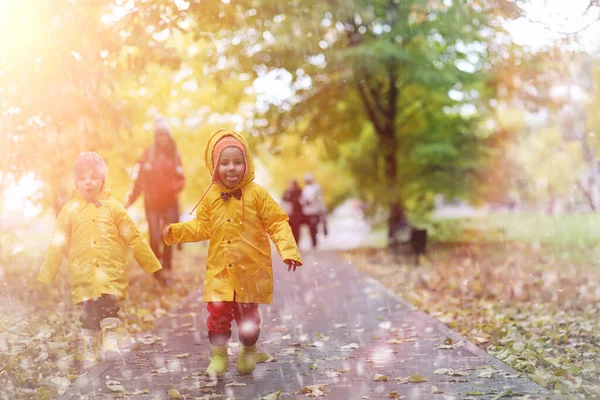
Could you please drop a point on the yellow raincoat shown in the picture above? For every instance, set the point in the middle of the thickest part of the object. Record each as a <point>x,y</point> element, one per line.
<point>96,239</point>
<point>239,265</point>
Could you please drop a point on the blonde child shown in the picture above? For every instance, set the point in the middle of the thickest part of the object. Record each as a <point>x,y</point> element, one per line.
<point>93,230</point>
<point>238,216</point>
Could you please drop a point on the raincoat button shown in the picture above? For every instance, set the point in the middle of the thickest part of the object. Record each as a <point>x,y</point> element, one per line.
<point>229,242</point>
<point>229,265</point>
<point>93,220</point>
<point>228,219</point>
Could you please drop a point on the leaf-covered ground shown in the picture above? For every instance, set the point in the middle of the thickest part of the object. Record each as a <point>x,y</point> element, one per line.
<point>534,307</point>
<point>40,347</point>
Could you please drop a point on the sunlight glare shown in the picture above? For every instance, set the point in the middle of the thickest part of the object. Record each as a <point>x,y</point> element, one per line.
<point>16,197</point>
<point>21,26</point>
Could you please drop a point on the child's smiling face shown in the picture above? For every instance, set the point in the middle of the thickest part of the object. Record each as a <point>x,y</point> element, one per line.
<point>231,167</point>
<point>89,184</point>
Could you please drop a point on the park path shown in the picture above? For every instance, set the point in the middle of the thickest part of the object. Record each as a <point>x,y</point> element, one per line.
<point>331,331</point>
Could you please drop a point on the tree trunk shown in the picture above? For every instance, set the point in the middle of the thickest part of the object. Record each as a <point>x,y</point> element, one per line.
<point>397,221</point>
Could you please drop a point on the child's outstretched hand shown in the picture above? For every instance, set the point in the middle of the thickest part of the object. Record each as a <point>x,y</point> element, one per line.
<point>167,231</point>
<point>291,264</point>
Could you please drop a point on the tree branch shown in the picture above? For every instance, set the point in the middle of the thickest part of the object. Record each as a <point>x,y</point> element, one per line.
<point>392,99</point>
<point>370,111</point>
<point>587,194</point>
<point>373,93</point>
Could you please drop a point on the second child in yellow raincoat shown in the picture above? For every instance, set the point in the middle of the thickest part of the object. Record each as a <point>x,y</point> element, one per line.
<point>93,230</point>
<point>238,216</point>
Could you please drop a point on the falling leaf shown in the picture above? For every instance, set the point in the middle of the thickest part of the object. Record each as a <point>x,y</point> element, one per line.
<point>115,386</point>
<point>506,393</point>
<point>486,373</point>
<point>271,396</point>
<point>138,392</point>
<point>453,372</point>
<point>379,377</point>
<point>395,341</point>
<point>150,339</point>
<point>417,378</point>
<point>436,390</point>
<point>519,347</point>
<point>349,347</point>
<point>313,390</point>
<point>61,384</point>
<point>394,395</point>
<point>209,397</point>
<point>236,384</point>
<point>446,346</point>
<point>174,394</point>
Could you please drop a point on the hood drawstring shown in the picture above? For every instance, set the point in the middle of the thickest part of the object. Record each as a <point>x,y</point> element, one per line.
<point>204,195</point>
<point>201,198</point>
<point>242,208</point>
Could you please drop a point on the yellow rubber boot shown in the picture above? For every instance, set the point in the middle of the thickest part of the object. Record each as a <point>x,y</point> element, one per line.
<point>246,362</point>
<point>110,344</point>
<point>219,362</point>
<point>91,348</point>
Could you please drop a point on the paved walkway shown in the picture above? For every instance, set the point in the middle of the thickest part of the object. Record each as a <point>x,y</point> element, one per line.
<point>332,331</point>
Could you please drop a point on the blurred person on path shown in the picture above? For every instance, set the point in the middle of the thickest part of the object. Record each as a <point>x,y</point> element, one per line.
<point>92,230</point>
<point>160,178</point>
<point>293,207</point>
<point>238,216</point>
<point>313,207</point>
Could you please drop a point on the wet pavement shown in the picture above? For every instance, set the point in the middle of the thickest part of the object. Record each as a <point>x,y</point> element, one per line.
<point>331,331</point>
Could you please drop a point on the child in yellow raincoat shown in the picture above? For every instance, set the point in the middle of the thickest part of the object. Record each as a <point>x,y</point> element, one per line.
<point>94,230</point>
<point>238,216</point>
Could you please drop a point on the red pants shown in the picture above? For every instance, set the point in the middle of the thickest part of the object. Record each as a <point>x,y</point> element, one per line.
<point>221,314</point>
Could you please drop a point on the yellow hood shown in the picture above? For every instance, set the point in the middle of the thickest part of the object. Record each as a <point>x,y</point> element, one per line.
<point>208,161</point>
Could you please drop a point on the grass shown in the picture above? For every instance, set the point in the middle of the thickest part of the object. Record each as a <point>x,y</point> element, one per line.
<point>563,230</point>
<point>524,287</point>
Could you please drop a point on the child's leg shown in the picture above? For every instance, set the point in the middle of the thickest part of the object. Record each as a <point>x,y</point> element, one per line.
<point>219,322</point>
<point>153,217</point>
<point>90,332</point>
<point>108,311</point>
<point>170,216</point>
<point>154,231</point>
<point>219,332</point>
<point>247,318</point>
